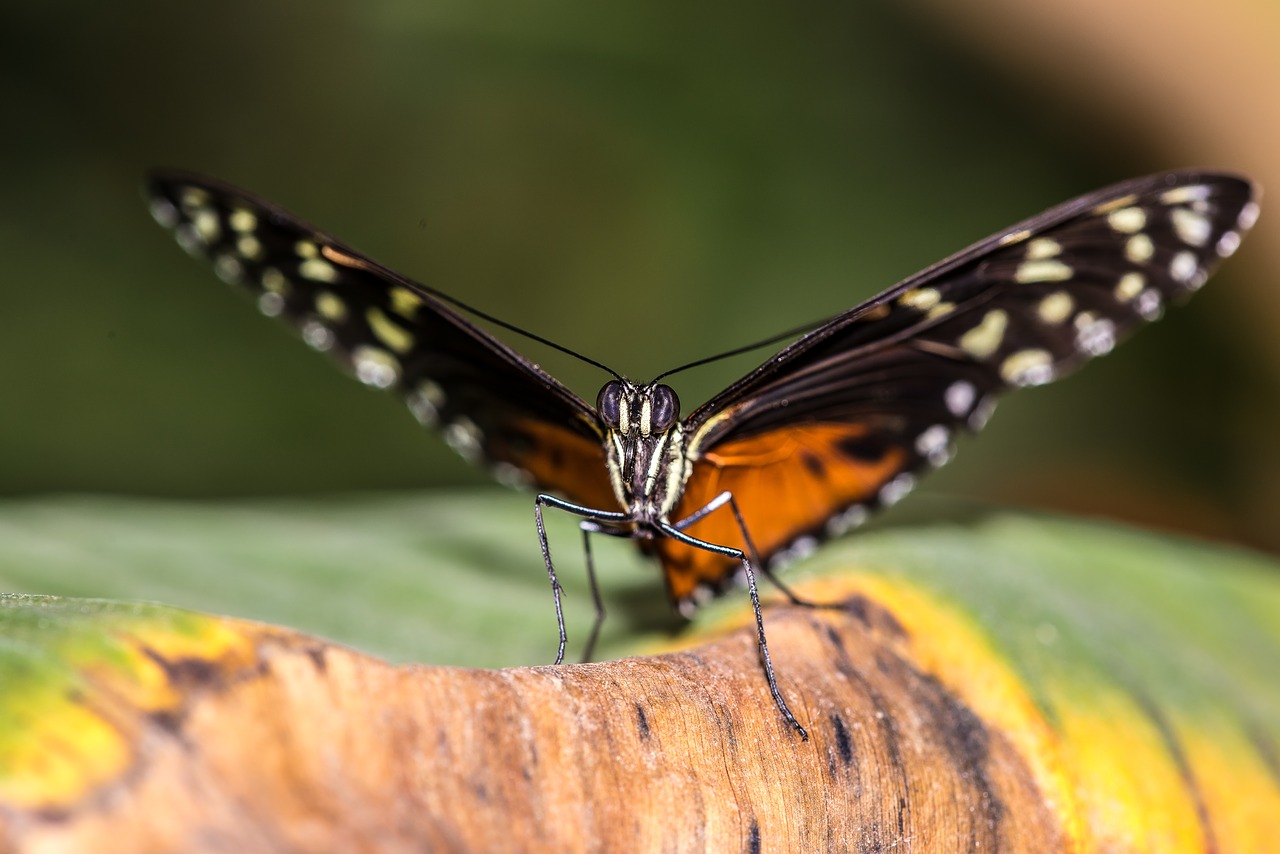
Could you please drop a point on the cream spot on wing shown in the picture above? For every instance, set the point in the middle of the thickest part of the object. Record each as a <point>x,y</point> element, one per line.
<point>318,270</point>
<point>921,299</point>
<point>1056,307</point>
<point>1127,220</point>
<point>1182,195</point>
<point>389,333</point>
<point>1043,248</point>
<point>1028,367</point>
<point>205,221</point>
<point>942,309</point>
<point>1041,271</point>
<point>331,307</point>
<point>249,246</point>
<point>984,339</point>
<point>306,249</point>
<point>405,302</point>
<point>1129,286</point>
<point>242,220</point>
<point>1139,249</point>
<point>1192,228</point>
<point>273,280</point>
<point>192,198</point>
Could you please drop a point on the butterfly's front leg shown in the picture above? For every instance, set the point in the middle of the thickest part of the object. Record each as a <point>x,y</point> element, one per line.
<point>591,518</point>
<point>766,660</point>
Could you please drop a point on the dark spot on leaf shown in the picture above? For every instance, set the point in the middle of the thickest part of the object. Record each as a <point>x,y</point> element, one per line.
<point>843,743</point>
<point>642,722</point>
<point>753,838</point>
<point>318,659</point>
<point>184,671</point>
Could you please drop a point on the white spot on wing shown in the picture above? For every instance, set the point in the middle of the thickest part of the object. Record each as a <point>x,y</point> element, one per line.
<point>1150,304</point>
<point>1248,216</point>
<point>270,303</point>
<point>228,268</point>
<point>1228,243</point>
<point>896,490</point>
<point>1095,337</point>
<point>846,520</point>
<point>163,212</point>
<point>464,437</point>
<point>317,335</point>
<point>934,444</point>
<point>959,398</point>
<point>982,413</point>
<point>425,402</point>
<point>375,367</point>
<point>1183,266</point>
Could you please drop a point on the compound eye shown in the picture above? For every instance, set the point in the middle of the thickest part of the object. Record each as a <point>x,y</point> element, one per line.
<point>665,408</point>
<point>609,404</point>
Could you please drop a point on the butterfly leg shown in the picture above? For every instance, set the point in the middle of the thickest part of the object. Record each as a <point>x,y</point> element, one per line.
<point>726,498</point>
<point>541,500</point>
<point>765,659</point>
<point>588,528</point>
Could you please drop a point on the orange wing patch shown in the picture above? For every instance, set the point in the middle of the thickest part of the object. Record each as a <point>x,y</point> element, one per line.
<point>786,483</point>
<point>558,460</point>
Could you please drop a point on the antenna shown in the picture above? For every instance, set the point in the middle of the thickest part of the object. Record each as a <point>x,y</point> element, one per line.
<point>773,339</point>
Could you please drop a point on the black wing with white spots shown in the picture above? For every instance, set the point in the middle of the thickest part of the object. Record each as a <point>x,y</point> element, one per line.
<point>844,419</point>
<point>493,405</point>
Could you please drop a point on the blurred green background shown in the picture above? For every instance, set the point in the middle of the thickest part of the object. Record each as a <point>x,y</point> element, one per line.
<point>645,182</point>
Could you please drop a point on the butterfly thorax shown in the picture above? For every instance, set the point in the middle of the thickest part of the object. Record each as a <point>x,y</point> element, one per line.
<point>644,447</point>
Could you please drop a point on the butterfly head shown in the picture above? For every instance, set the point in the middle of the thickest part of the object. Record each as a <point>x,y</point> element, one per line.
<point>644,445</point>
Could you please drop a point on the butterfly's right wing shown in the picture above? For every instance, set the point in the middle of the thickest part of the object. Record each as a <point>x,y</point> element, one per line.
<point>847,417</point>
<point>492,405</point>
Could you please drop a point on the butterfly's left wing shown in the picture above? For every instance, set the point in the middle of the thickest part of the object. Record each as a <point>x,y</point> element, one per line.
<point>493,405</point>
<point>847,417</point>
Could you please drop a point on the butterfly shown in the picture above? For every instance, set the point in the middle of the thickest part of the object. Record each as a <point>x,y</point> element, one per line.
<point>841,421</point>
